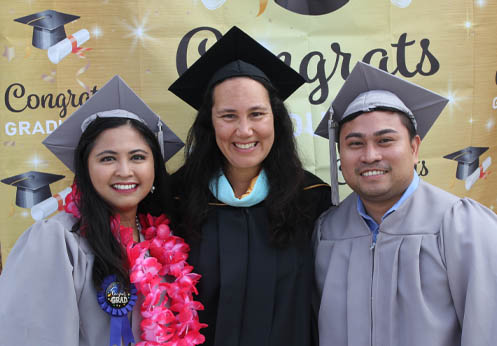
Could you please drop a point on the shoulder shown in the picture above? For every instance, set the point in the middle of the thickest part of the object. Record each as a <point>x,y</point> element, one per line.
<point>342,221</point>
<point>315,188</point>
<point>53,234</point>
<point>311,182</point>
<point>466,215</point>
<point>431,193</point>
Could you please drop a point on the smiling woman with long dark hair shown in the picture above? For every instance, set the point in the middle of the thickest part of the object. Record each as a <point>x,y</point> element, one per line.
<point>245,204</point>
<point>107,270</point>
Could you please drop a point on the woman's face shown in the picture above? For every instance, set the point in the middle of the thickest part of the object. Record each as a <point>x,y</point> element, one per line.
<point>121,168</point>
<point>243,123</point>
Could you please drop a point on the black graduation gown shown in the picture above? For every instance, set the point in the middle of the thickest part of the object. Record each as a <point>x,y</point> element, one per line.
<point>255,293</point>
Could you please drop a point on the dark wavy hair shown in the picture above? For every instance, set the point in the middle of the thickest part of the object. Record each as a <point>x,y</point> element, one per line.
<point>110,257</point>
<point>204,160</point>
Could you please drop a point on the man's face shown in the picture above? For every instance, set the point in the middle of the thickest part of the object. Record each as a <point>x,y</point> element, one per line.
<point>377,157</point>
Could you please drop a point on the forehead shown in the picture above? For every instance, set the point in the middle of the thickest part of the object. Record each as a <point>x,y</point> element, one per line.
<point>122,137</point>
<point>239,88</point>
<point>372,122</point>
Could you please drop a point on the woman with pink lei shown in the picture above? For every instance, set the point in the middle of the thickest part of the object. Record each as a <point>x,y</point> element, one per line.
<point>108,270</point>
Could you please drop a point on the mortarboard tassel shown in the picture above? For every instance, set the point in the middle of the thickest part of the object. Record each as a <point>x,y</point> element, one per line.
<point>160,137</point>
<point>332,127</point>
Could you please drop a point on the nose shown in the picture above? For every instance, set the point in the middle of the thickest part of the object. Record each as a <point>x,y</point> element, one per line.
<point>371,154</point>
<point>244,128</point>
<point>123,169</point>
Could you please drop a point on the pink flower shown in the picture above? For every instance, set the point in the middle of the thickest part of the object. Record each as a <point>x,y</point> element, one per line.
<point>72,201</point>
<point>163,231</point>
<point>177,325</point>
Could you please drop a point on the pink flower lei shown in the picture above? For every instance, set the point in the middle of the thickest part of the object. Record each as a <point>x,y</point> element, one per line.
<point>174,320</point>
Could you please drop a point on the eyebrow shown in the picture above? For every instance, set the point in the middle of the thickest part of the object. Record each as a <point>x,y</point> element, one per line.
<point>376,134</point>
<point>112,152</point>
<point>251,109</point>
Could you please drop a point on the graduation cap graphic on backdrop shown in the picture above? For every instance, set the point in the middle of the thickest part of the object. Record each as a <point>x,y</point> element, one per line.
<point>311,7</point>
<point>467,160</point>
<point>48,27</point>
<point>32,187</point>
<point>115,95</point>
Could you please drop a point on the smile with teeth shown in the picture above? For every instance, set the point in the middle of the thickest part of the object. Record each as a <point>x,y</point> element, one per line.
<point>371,173</point>
<point>124,186</point>
<point>245,145</point>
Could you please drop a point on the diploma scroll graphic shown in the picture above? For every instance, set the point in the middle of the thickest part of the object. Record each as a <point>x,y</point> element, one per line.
<point>473,178</point>
<point>50,205</point>
<point>60,50</point>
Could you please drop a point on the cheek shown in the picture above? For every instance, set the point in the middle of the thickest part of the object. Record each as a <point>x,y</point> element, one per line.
<point>347,164</point>
<point>267,132</point>
<point>94,173</point>
<point>149,173</point>
<point>222,134</point>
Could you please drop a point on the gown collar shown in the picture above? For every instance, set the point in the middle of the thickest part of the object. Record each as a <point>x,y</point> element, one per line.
<point>222,190</point>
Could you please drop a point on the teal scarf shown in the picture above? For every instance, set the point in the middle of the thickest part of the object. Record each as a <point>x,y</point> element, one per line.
<point>222,190</point>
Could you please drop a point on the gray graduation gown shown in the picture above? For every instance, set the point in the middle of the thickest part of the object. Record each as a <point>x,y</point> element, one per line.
<point>430,281</point>
<point>46,290</point>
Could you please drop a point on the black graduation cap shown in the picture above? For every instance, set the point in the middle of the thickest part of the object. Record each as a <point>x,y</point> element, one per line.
<point>235,54</point>
<point>32,187</point>
<point>311,7</point>
<point>467,160</point>
<point>48,27</point>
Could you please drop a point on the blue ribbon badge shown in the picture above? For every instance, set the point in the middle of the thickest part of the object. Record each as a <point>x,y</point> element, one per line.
<point>117,302</point>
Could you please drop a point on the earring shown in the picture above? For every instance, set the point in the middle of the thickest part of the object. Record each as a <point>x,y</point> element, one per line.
<point>152,189</point>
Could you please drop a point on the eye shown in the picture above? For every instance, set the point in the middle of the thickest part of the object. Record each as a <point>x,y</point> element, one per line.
<point>228,116</point>
<point>257,114</point>
<point>107,159</point>
<point>138,157</point>
<point>385,140</point>
<point>354,144</point>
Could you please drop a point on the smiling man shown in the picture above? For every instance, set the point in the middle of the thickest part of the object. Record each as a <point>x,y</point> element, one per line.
<point>399,262</point>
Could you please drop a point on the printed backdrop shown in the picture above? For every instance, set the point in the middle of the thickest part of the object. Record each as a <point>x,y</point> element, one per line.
<point>448,46</point>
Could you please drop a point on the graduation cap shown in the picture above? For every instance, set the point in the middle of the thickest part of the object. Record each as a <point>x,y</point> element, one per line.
<point>114,99</point>
<point>311,7</point>
<point>48,27</point>
<point>467,160</point>
<point>32,187</point>
<point>235,54</point>
<point>368,88</point>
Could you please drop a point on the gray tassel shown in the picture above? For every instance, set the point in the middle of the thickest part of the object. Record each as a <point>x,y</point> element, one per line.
<point>332,132</point>
<point>160,137</point>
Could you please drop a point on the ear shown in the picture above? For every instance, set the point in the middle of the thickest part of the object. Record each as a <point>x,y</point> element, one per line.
<point>415,144</point>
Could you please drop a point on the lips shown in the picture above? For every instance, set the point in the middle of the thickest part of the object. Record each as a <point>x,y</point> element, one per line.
<point>373,173</point>
<point>245,145</point>
<point>124,187</point>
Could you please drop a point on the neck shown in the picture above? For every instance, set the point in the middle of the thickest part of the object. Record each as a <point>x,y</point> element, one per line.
<point>128,219</point>
<point>376,210</point>
<point>240,179</point>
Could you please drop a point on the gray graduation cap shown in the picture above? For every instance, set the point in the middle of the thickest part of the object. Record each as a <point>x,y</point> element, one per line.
<point>114,99</point>
<point>235,54</point>
<point>368,88</point>
<point>467,160</point>
<point>32,187</point>
<point>48,27</point>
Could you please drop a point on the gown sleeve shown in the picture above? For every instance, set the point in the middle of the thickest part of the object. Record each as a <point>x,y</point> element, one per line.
<point>40,286</point>
<point>469,243</point>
